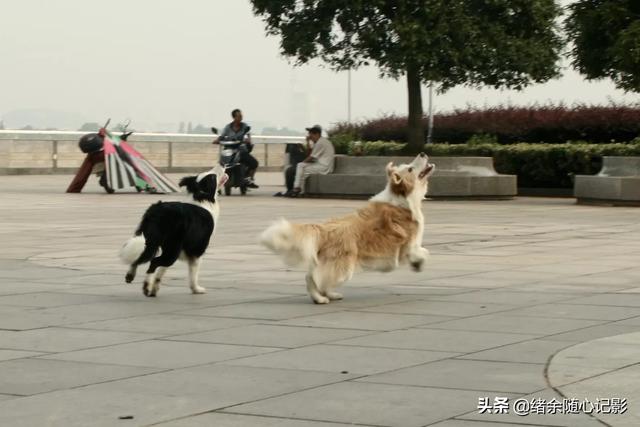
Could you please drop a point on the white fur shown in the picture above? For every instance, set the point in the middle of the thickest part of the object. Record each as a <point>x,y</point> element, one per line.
<point>281,239</point>
<point>132,249</point>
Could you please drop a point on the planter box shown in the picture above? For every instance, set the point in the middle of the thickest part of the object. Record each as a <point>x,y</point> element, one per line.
<point>618,183</point>
<point>468,177</point>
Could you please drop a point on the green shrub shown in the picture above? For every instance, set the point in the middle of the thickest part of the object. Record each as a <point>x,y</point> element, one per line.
<point>342,143</point>
<point>378,148</point>
<point>541,165</point>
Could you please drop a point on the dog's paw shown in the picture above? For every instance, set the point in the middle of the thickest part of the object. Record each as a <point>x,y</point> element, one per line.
<point>417,265</point>
<point>129,277</point>
<point>321,300</point>
<point>145,288</point>
<point>198,290</point>
<point>334,296</point>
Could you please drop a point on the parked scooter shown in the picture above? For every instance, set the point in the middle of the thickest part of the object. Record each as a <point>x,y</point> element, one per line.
<point>230,152</point>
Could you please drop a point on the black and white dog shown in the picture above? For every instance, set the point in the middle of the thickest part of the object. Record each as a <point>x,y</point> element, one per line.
<point>172,230</point>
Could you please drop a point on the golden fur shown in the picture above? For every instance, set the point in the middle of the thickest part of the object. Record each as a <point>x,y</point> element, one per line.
<point>381,236</point>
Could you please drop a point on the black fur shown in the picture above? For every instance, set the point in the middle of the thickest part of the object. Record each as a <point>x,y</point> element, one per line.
<point>203,190</point>
<point>175,228</point>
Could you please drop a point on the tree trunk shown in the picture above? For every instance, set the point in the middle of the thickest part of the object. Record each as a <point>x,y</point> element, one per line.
<point>415,126</point>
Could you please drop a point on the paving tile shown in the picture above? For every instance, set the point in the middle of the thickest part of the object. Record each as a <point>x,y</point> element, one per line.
<point>573,311</point>
<point>508,296</point>
<point>165,324</point>
<point>269,310</point>
<point>364,320</point>
<point>594,332</point>
<point>437,340</point>
<point>48,299</point>
<point>532,418</point>
<point>502,377</point>
<point>65,339</point>
<point>534,351</point>
<point>355,360</point>
<point>236,420</point>
<point>375,404</point>
<point>441,308</point>
<point>31,376</point>
<point>622,383</point>
<point>463,423</point>
<point>157,397</point>
<point>161,354</point>
<point>17,354</point>
<point>534,266</point>
<point>541,326</point>
<point>271,335</point>
<point>620,300</point>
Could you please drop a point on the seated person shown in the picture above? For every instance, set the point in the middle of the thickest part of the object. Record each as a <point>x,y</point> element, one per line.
<point>320,161</point>
<point>294,154</point>
<point>236,130</point>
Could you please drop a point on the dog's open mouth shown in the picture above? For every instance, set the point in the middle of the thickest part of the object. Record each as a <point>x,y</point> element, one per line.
<point>224,179</point>
<point>426,170</point>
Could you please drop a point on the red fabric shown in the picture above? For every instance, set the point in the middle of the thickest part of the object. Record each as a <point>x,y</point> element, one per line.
<point>84,172</point>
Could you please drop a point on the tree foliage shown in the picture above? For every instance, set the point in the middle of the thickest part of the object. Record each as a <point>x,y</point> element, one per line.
<point>606,40</point>
<point>500,43</point>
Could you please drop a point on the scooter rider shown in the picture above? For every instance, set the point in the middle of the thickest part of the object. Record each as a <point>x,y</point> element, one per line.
<point>236,130</point>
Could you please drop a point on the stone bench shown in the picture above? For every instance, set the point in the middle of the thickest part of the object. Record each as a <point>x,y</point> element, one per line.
<point>472,177</point>
<point>618,183</point>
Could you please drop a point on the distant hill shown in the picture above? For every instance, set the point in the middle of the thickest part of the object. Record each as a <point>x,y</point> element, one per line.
<point>42,119</point>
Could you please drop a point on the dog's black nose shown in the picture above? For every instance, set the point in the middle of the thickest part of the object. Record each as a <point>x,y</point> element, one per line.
<point>422,154</point>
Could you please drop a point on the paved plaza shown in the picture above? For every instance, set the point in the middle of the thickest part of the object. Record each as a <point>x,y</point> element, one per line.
<point>533,298</point>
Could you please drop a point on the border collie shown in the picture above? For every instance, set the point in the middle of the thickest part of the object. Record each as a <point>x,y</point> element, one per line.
<point>172,230</point>
<point>381,236</point>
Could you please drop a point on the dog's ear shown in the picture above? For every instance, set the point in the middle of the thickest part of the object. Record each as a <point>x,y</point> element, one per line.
<point>390,168</point>
<point>395,178</point>
<point>191,182</point>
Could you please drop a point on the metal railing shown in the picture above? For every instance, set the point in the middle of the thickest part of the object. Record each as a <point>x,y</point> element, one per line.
<point>30,151</point>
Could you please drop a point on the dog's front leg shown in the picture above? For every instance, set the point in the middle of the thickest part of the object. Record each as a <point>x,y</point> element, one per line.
<point>194,269</point>
<point>417,256</point>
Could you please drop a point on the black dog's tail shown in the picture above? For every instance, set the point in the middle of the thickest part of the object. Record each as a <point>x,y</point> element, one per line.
<point>145,243</point>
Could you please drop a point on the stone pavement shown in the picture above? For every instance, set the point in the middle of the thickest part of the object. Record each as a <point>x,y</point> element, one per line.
<point>530,298</point>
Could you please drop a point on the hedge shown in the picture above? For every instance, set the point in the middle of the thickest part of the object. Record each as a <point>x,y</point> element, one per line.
<point>536,165</point>
<point>548,123</point>
<point>541,165</point>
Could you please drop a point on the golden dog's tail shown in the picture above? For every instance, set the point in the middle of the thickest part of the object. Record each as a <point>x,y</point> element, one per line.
<point>296,243</point>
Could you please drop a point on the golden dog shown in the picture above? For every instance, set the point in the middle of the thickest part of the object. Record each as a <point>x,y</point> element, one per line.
<point>381,236</point>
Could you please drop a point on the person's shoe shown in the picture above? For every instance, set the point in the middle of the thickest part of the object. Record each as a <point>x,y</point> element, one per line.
<point>279,194</point>
<point>253,185</point>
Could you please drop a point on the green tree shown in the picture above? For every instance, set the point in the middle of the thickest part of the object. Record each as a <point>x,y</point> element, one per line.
<point>503,44</point>
<point>606,40</point>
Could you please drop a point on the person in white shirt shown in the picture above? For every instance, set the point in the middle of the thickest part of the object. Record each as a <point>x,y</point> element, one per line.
<point>320,161</point>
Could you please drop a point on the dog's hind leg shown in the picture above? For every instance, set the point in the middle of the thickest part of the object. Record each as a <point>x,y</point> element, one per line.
<point>157,269</point>
<point>329,276</point>
<point>313,291</point>
<point>194,270</point>
<point>131,273</point>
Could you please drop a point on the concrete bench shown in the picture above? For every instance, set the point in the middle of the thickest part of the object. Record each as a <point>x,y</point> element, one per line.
<point>618,183</point>
<point>454,177</point>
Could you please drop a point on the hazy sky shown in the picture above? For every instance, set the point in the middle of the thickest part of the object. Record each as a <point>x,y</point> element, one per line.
<point>162,62</point>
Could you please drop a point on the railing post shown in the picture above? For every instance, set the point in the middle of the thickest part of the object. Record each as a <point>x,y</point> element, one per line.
<point>266,154</point>
<point>170,153</point>
<point>54,155</point>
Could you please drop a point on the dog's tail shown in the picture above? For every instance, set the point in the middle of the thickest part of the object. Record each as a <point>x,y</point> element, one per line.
<point>296,243</point>
<point>132,249</point>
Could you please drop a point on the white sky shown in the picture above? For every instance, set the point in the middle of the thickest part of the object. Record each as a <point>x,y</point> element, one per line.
<point>162,62</point>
